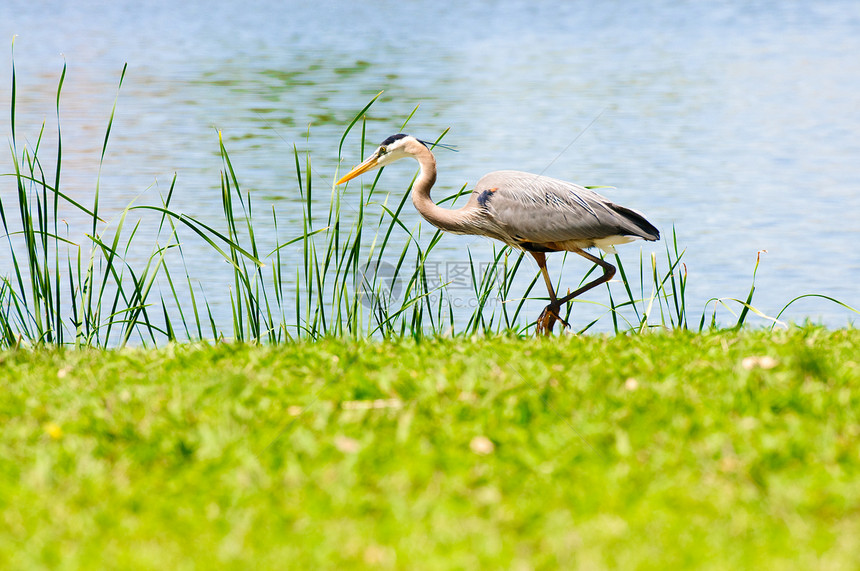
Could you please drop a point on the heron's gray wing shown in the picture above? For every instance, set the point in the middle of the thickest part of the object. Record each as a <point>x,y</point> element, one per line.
<point>539,209</point>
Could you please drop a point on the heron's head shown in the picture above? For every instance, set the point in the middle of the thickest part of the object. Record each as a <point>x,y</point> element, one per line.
<point>392,149</point>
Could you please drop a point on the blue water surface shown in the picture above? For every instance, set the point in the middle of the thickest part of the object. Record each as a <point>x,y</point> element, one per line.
<point>735,123</point>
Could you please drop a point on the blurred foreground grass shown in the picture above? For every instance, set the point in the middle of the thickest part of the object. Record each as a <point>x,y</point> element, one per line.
<point>719,450</point>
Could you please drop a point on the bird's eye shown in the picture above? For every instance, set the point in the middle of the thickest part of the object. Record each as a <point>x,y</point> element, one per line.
<point>382,151</point>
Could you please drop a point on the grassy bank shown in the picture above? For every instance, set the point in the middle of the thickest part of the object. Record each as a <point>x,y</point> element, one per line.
<point>719,450</point>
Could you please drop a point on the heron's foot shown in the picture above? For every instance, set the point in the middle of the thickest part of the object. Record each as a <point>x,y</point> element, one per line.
<point>547,319</point>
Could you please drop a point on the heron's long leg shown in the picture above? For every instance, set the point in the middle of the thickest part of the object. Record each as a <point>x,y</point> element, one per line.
<point>540,258</point>
<point>608,272</point>
<point>550,314</point>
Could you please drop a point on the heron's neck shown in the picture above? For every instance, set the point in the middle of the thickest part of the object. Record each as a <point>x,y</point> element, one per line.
<point>442,218</point>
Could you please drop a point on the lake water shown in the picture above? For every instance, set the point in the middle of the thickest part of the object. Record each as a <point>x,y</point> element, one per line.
<point>737,123</point>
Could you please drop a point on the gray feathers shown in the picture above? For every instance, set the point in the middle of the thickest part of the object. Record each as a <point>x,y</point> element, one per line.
<point>523,209</point>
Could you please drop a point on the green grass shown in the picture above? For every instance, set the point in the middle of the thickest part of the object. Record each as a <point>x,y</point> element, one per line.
<point>721,450</point>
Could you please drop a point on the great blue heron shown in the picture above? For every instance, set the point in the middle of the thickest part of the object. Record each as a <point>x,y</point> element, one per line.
<point>527,211</point>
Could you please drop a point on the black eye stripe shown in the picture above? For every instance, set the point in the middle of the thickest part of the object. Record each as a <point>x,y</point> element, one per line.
<point>391,139</point>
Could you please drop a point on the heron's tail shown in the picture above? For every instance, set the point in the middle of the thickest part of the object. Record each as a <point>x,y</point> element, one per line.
<point>638,225</point>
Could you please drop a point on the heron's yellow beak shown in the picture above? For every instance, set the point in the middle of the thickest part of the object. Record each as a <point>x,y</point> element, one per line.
<point>367,165</point>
